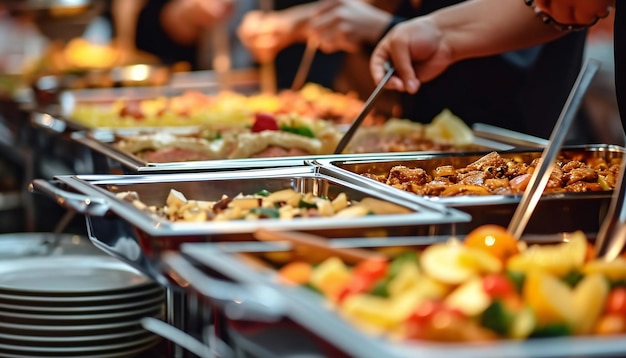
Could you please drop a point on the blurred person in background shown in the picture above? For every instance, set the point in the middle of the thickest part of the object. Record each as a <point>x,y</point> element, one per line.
<point>176,30</point>
<point>522,90</point>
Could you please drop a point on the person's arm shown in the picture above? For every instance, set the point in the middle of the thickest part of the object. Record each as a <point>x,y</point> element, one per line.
<point>125,15</point>
<point>184,20</point>
<point>575,12</point>
<point>345,25</point>
<point>267,33</point>
<point>422,48</point>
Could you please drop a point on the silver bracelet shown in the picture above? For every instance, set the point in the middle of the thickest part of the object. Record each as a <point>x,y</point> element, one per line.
<point>547,19</point>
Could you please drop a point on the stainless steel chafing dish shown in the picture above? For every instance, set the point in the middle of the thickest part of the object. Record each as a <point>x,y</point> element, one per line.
<point>295,314</point>
<point>101,141</point>
<point>554,213</point>
<point>134,235</point>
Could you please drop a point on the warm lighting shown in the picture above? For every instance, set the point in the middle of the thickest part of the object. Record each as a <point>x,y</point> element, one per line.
<point>138,73</point>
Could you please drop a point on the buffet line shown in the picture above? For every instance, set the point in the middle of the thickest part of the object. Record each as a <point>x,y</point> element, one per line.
<point>269,244</point>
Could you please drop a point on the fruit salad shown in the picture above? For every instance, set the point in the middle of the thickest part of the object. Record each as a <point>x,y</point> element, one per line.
<point>486,287</point>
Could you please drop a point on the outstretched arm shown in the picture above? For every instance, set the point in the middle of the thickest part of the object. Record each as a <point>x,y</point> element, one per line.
<point>422,48</point>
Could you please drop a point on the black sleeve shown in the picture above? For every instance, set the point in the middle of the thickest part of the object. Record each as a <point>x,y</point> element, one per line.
<point>152,38</point>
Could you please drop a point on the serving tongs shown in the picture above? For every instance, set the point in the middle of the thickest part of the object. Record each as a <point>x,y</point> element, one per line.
<point>541,175</point>
<point>367,107</point>
<point>305,64</point>
<point>313,243</point>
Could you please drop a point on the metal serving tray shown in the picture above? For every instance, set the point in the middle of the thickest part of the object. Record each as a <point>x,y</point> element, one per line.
<point>242,81</point>
<point>94,196</point>
<point>555,212</point>
<point>101,142</point>
<point>243,264</point>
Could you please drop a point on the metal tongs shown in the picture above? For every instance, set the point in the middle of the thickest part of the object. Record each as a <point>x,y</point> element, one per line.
<point>367,107</point>
<point>612,235</point>
<point>541,175</point>
<point>305,64</point>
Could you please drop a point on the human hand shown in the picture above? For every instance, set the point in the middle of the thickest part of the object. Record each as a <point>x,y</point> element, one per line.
<point>265,34</point>
<point>418,52</point>
<point>205,13</point>
<point>343,25</point>
<point>575,12</point>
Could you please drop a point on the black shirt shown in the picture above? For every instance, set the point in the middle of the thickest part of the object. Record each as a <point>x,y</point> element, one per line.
<point>619,47</point>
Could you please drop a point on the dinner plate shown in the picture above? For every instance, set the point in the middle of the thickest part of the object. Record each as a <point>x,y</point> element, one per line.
<point>117,297</point>
<point>80,351</point>
<point>65,319</point>
<point>92,340</point>
<point>84,309</point>
<point>70,330</point>
<point>123,353</point>
<point>68,275</point>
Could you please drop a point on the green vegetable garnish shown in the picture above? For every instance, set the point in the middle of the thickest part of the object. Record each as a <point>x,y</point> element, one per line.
<point>300,130</point>
<point>265,212</point>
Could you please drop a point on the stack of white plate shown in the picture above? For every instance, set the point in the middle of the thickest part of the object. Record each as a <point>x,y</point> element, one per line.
<point>75,306</point>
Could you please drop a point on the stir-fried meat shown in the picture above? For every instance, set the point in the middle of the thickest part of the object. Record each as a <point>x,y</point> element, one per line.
<point>580,174</point>
<point>473,178</point>
<point>494,175</point>
<point>492,163</point>
<point>556,178</point>
<point>401,174</point>
<point>574,164</point>
<point>515,169</point>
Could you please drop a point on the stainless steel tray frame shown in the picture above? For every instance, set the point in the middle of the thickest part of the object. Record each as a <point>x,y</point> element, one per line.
<point>101,141</point>
<point>311,311</point>
<point>555,212</point>
<point>94,196</point>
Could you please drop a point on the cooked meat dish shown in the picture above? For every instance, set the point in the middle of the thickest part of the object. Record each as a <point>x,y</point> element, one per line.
<point>494,174</point>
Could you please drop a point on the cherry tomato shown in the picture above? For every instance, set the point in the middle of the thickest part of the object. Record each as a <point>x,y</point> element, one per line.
<point>610,324</point>
<point>364,277</point>
<point>494,239</point>
<point>371,269</point>
<point>497,286</point>
<point>264,122</point>
<point>425,311</point>
<point>616,302</point>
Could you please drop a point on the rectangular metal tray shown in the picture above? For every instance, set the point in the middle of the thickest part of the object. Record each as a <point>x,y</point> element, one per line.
<point>101,141</point>
<point>555,212</point>
<point>239,262</point>
<point>94,196</point>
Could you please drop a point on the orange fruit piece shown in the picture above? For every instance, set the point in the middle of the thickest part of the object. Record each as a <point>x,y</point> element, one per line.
<point>494,239</point>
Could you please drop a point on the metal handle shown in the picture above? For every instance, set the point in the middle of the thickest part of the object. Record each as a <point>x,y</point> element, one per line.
<point>611,237</point>
<point>72,201</point>
<point>48,122</point>
<point>250,302</point>
<point>177,336</point>
<point>508,136</point>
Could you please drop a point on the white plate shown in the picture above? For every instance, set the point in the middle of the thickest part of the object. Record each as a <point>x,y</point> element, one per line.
<point>151,290</point>
<point>68,275</point>
<point>86,309</point>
